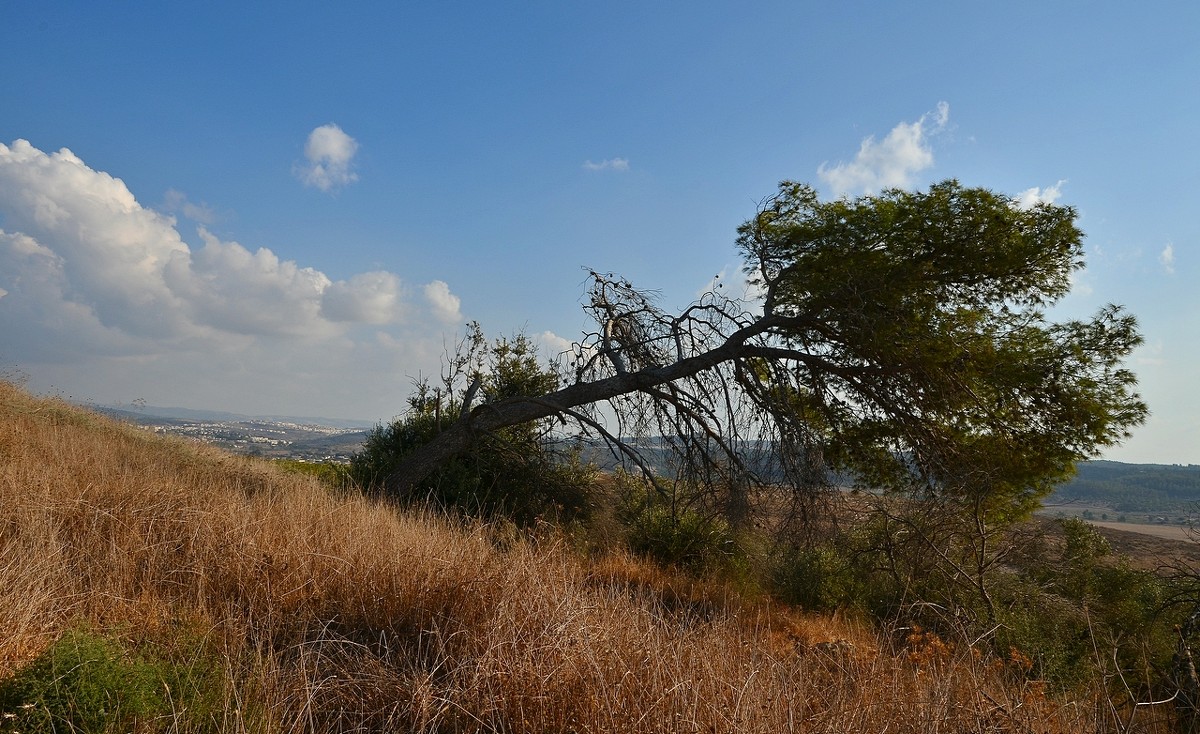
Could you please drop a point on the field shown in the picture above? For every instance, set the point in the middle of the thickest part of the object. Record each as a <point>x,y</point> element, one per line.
<point>261,601</point>
<point>1152,546</point>
<point>1184,535</point>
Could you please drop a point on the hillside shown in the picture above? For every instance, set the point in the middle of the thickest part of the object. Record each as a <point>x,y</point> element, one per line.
<point>201,591</point>
<point>1134,488</point>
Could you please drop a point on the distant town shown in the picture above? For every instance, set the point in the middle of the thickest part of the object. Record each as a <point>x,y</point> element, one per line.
<point>282,438</point>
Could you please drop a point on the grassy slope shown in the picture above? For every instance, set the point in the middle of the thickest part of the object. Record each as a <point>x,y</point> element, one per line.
<point>332,613</point>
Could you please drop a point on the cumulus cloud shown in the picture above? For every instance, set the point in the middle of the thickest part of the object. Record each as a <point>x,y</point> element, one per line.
<point>445,305</point>
<point>80,234</point>
<point>554,344</point>
<point>1031,197</point>
<point>1167,258</point>
<point>330,154</point>
<point>372,298</point>
<point>228,287</point>
<point>177,201</point>
<point>732,282</point>
<point>890,163</point>
<point>563,351</point>
<point>611,164</point>
<point>91,277</point>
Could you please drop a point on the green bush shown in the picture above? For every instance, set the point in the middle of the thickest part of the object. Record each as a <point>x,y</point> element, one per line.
<point>520,473</point>
<point>674,533</point>
<point>817,578</point>
<point>86,682</point>
<point>1050,629</point>
<point>333,475</point>
<point>82,683</point>
<point>509,474</point>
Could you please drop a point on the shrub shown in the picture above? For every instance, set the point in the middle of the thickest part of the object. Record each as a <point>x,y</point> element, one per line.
<point>332,475</point>
<point>816,578</point>
<point>86,682</point>
<point>521,472</point>
<point>673,532</point>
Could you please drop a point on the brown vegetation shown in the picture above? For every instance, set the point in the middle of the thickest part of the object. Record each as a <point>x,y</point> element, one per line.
<point>330,612</point>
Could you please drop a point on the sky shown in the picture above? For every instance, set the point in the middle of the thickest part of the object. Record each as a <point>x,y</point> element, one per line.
<point>294,208</point>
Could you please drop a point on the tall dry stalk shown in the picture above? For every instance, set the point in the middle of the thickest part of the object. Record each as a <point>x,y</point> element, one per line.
<point>334,613</point>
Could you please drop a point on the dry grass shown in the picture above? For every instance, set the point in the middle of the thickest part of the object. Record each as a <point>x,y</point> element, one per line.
<point>336,614</point>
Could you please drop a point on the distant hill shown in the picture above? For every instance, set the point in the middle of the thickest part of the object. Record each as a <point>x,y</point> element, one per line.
<point>277,437</point>
<point>1134,487</point>
<point>138,414</point>
<point>1150,488</point>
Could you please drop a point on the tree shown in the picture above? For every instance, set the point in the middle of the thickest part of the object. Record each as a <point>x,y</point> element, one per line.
<point>900,338</point>
<point>518,471</point>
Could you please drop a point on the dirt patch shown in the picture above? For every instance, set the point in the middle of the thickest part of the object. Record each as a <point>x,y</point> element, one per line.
<point>1170,532</point>
<point>1152,546</point>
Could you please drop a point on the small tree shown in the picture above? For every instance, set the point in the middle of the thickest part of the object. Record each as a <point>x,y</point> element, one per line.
<point>522,471</point>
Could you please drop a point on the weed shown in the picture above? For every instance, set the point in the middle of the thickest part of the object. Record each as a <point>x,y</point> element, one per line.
<point>83,682</point>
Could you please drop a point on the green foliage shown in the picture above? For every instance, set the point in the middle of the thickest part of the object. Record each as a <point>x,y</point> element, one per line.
<point>336,476</point>
<point>1134,487</point>
<point>1086,613</point>
<point>673,531</point>
<point>84,683</point>
<point>937,370</point>
<point>89,683</point>
<point>1051,629</point>
<point>821,578</point>
<point>1061,598</point>
<point>1083,547</point>
<point>94,684</point>
<point>927,368</point>
<point>519,472</point>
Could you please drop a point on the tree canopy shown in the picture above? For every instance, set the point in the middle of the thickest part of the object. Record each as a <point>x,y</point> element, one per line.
<point>899,338</point>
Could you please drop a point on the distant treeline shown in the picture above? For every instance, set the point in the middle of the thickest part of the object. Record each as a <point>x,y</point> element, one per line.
<point>1149,488</point>
<point>1134,487</point>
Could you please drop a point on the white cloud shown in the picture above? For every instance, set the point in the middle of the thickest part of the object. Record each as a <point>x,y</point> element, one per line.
<point>892,163</point>
<point>372,298</point>
<point>445,305</point>
<point>732,282</point>
<point>612,164</point>
<point>81,234</point>
<point>99,287</point>
<point>563,351</point>
<point>330,153</point>
<point>177,201</point>
<point>554,344</point>
<point>1167,258</point>
<point>1079,283</point>
<point>228,287</point>
<point>1031,197</point>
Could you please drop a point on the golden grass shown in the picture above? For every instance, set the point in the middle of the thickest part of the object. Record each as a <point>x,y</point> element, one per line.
<point>334,613</point>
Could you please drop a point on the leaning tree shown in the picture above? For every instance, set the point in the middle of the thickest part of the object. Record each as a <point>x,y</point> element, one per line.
<point>901,339</point>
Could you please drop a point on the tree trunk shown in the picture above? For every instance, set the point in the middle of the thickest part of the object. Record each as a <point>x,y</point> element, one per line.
<point>458,437</point>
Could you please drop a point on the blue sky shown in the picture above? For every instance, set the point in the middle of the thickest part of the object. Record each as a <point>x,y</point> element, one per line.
<point>291,208</point>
